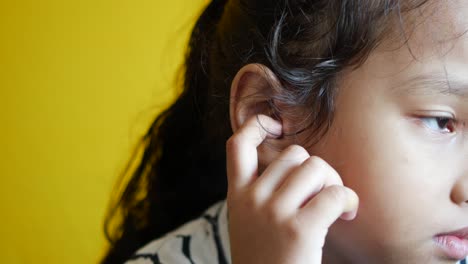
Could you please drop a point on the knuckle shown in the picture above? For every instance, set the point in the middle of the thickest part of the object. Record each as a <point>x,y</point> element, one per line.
<point>318,166</point>
<point>252,199</point>
<point>297,151</point>
<point>316,163</point>
<point>335,193</point>
<point>272,213</point>
<point>311,164</point>
<point>293,229</point>
<point>233,143</point>
<point>276,204</point>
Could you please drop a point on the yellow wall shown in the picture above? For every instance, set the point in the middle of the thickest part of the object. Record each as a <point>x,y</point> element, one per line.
<point>78,82</point>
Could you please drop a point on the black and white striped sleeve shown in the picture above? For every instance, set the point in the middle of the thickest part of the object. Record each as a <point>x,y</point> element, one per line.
<point>204,240</point>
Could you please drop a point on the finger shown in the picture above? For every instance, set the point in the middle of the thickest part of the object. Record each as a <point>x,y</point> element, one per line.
<point>313,175</point>
<point>241,150</point>
<point>328,205</point>
<point>278,171</point>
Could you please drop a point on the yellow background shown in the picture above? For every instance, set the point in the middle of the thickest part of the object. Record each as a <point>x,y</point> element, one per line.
<point>79,82</point>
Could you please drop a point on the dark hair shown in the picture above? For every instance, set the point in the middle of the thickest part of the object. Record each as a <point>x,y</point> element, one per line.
<point>306,43</point>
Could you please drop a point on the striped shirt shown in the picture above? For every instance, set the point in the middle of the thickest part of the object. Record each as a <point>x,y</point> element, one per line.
<point>204,240</point>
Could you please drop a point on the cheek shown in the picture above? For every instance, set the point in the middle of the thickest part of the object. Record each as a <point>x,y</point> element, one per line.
<point>392,169</point>
<point>389,173</point>
<point>383,173</point>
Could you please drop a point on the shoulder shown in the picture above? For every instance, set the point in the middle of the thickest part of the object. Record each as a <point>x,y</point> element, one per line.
<point>203,240</point>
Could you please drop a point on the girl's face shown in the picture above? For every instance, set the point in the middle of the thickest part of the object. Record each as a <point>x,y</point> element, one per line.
<point>400,140</point>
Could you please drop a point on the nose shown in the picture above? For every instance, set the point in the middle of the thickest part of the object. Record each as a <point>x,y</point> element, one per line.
<point>459,193</point>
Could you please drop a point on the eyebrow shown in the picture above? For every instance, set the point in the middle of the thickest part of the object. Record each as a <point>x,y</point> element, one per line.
<point>433,84</point>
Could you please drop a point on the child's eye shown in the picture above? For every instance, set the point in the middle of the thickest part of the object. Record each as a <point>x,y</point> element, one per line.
<point>439,124</point>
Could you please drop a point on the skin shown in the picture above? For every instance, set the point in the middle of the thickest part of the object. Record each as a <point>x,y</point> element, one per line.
<point>409,172</point>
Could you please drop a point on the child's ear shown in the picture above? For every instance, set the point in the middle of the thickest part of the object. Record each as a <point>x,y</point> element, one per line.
<point>251,94</point>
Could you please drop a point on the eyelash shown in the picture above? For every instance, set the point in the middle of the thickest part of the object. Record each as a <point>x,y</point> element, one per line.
<point>448,124</point>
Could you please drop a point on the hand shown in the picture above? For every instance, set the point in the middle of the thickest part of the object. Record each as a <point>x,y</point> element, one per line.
<point>283,215</point>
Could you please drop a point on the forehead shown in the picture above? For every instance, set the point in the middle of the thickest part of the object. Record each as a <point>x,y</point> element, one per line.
<point>431,28</point>
<point>428,41</point>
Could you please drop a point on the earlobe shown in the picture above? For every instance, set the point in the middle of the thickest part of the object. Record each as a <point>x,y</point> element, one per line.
<point>251,92</point>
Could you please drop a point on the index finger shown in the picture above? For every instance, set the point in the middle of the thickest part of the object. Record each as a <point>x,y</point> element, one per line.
<point>241,150</point>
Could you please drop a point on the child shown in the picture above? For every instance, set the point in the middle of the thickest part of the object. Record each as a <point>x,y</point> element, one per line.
<point>345,123</point>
